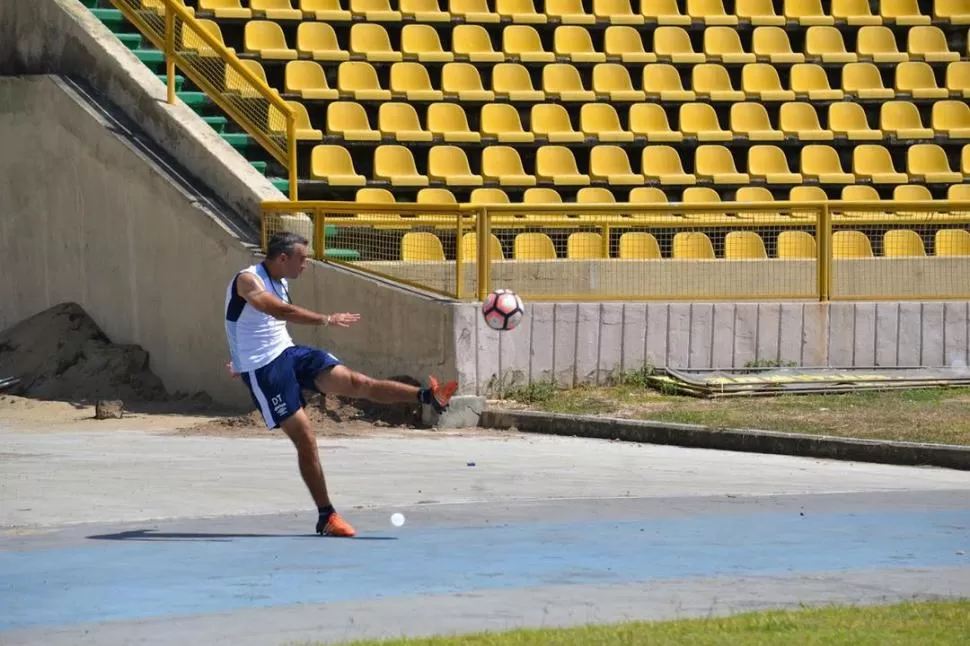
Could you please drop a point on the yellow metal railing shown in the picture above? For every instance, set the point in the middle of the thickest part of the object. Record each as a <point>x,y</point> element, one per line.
<point>226,79</point>
<point>706,251</point>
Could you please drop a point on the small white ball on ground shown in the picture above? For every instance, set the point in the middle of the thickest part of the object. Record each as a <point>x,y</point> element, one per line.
<point>397,519</point>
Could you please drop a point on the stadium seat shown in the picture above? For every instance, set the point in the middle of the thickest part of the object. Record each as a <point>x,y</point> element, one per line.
<point>473,11</point>
<point>807,12</point>
<point>448,121</point>
<point>955,12</point>
<point>863,81</point>
<point>951,119</point>
<point>601,122</point>
<point>541,196</point>
<point>917,79</point>
<point>638,245</point>
<point>673,44</point>
<point>624,43</point>
<point>958,78</point>
<point>859,193</point>
<point>958,192</point>
<point>812,193</point>
<point>616,12</point>
<point>374,196</point>
<point>231,9</point>
<point>663,12</point>
<point>928,163</point>
<point>825,45</point>
<point>318,40</point>
<point>557,165</point>
<point>358,80</point>
<point>374,10</point>
<point>854,12</point>
<point>797,119</point>
<point>533,246</point>
<point>595,195</point>
<point>237,83</point>
<point>500,121</point>
<point>769,164</point>
<point>901,119</point>
<point>758,12</point>
<point>716,163</point>
<point>449,164</point>
<point>851,244</point>
<point>469,247</point>
<point>723,44</point>
<point>266,40</point>
<point>325,10</point>
<point>649,121</point>
<point>461,81</point>
<point>399,121</point>
<point>306,79</point>
<point>611,164</point>
<point>662,81</point>
<point>575,44</point>
<point>421,246</point>
<point>520,11</point>
<point>662,164</point>
<point>612,81</point>
<point>489,196</point>
<point>711,81</point>
<point>700,120</point>
<point>796,245</point>
<point>304,128</point>
<point>502,164</point>
<point>562,81</point>
<point>193,42</point>
<point>753,194</point>
<point>422,43</point>
<point>333,165</point>
<point>411,81</point>
<point>902,243</point>
<point>849,120</point>
<point>395,164</point>
<point>472,43</point>
<point>551,121</point>
<point>744,245</point>
<point>878,44</point>
<point>423,11</point>
<point>761,81</point>
<point>822,164</point>
<point>873,162</point>
<point>584,245</point>
<point>512,82</point>
<point>902,12</point>
<point>348,120</point>
<point>275,10</point>
<point>951,242</point>
<point>912,193</point>
<point>772,44</point>
<point>436,196</point>
<point>692,245</point>
<point>569,12</point>
<point>928,43</point>
<point>647,195</point>
<point>371,42</point>
<point>809,81</point>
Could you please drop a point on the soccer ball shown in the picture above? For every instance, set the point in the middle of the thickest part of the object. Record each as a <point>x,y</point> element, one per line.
<point>503,310</point>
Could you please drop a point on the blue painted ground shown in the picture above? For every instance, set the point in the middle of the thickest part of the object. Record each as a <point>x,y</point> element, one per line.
<point>137,575</point>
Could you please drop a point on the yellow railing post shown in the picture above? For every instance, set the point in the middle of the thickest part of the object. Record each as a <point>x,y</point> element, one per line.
<point>605,239</point>
<point>263,232</point>
<point>824,249</point>
<point>484,268</point>
<point>459,259</point>
<point>170,50</point>
<point>291,146</point>
<point>320,220</point>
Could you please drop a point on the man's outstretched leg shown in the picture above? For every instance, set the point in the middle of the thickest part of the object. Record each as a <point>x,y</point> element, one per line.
<point>298,428</point>
<point>341,380</point>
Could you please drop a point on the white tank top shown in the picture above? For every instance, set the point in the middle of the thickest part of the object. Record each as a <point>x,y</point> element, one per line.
<point>255,338</point>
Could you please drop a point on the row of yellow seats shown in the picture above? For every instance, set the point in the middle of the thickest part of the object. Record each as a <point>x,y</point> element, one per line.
<point>612,82</point>
<point>370,41</point>
<point>692,245</point>
<point>664,12</point>
<point>502,165</point>
<point>601,122</point>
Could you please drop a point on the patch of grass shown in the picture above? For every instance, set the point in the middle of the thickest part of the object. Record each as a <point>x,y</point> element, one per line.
<point>923,624</point>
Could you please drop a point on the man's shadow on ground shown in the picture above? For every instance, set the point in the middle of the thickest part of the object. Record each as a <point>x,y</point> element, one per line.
<point>151,535</point>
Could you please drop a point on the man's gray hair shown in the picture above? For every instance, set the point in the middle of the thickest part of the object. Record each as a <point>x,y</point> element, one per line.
<point>284,242</point>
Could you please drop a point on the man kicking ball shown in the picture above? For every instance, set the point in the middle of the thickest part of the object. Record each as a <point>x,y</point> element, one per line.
<point>276,370</point>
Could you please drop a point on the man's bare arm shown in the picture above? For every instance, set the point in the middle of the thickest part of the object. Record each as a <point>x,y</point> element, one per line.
<point>251,288</point>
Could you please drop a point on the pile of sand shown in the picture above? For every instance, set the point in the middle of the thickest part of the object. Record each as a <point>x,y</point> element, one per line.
<point>62,354</point>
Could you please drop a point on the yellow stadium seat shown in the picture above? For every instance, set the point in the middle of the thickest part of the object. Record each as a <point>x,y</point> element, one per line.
<point>754,194</point>
<point>411,81</point>
<point>400,121</point>
<point>796,245</point>
<point>318,40</point>
<point>807,12</point>
<point>822,164</point>
<point>809,81</point>
<point>744,245</point>
<point>825,44</point>
<point>863,81</point>
<point>612,81</point>
<point>912,193</point>
<point>951,119</point>
<point>769,164</point>
<point>325,10</point>
<point>333,165</point>
<point>849,120</point>
<point>423,11</point>
<point>436,196</point>
<point>692,245</point>
<point>673,44</point>
<point>502,165</point>
<point>958,192</point>
<point>772,44</point>
<point>663,12</point>
<point>265,39</point>
<point>814,193</point>
<point>421,246</point>
<point>306,79</point>
<point>193,42</point>
<point>584,245</point>
<point>304,129</point>
<point>958,78</point>
<point>859,193</point>
<point>649,120</point>
<point>700,195</point>
<point>449,164</point>
<point>902,12</point>
<point>873,162</point>
<point>917,79</point>
<point>639,245</point>
<point>710,12</point>
<point>902,243</point>
<point>569,12</point>
<point>551,121</point>
<point>716,163</point>
<point>222,8</point>
<point>473,43</point>
<point>854,12</point>
<point>522,42</point>
<point>724,44</point>
<point>851,244</point>
<point>928,43</point>
<point>371,41</point>
<point>611,164</point>
<point>761,81</point>
<point>422,43</point>
<point>358,80</point>
<point>600,121</point>
<point>489,196</point>
<point>624,44</point>
<point>616,12</point>
<point>469,247</point>
<point>662,81</point>
<point>275,10</point>
<point>461,81</point>
<point>928,163</point>
<point>800,120</point>
<point>541,196</point>
<point>557,165</point>
<point>663,164</point>
<point>700,120</point>
<point>595,195</point>
<point>562,81</point>
<point>374,10</point>
<point>237,83</point>
<point>575,44</point>
<point>374,196</point>
<point>448,121</point>
<point>647,195</point>
<point>520,11</point>
<point>474,11</point>
<point>955,12</point>
<point>533,246</point>
<point>901,119</point>
<point>878,44</point>
<point>395,164</point>
<point>758,12</point>
<point>750,120</point>
<point>711,81</point>
<point>512,82</point>
<point>501,121</point>
<point>951,242</point>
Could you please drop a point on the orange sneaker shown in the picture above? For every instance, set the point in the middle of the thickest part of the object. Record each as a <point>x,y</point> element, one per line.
<point>441,394</point>
<point>336,526</point>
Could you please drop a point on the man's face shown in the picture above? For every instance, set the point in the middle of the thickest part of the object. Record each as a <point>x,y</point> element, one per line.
<point>295,263</point>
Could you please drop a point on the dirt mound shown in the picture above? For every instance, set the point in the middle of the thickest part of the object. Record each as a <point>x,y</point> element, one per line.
<point>62,354</point>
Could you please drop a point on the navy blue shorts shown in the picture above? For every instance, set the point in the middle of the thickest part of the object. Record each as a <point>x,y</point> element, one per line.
<point>277,388</point>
